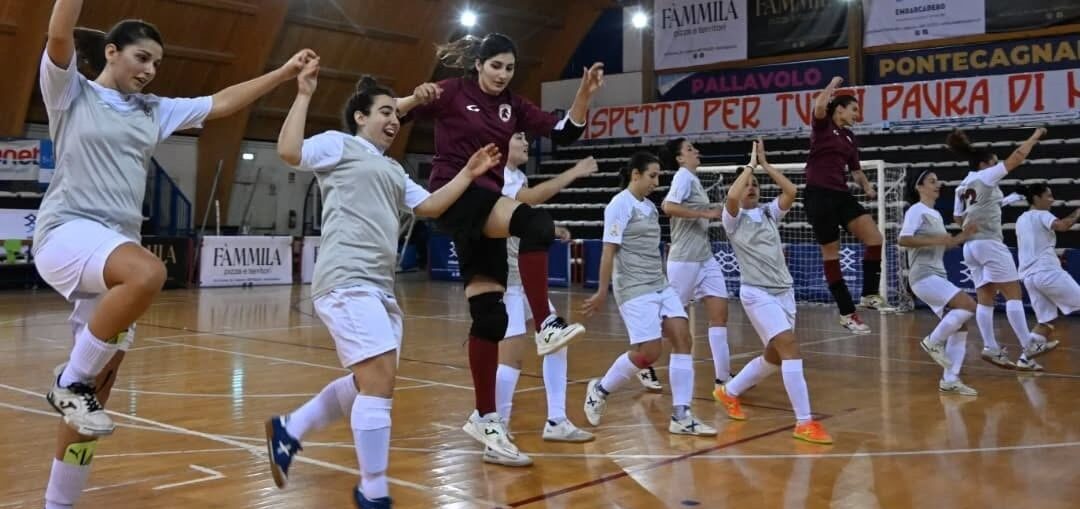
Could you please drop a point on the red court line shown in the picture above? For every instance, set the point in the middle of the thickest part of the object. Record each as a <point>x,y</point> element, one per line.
<point>625,473</point>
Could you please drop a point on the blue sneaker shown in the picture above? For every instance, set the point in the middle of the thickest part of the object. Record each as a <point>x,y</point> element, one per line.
<point>379,503</point>
<point>280,448</point>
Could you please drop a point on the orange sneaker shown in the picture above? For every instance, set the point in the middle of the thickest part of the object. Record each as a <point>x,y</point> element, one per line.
<point>731,403</point>
<point>812,432</point>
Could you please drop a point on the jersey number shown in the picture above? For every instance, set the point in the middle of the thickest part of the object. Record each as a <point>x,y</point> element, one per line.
<point>969,197</point>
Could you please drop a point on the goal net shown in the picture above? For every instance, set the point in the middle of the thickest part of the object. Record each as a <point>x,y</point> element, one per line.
<point>802,253</point>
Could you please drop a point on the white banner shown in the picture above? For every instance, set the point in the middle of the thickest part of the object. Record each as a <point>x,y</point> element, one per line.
<point>236,261</point>
<point>17,223</point>
<point>1026,97</point>
<point>20,159</point>
<point>899,21</point>
<point>697,32</point>
<point>308,255</point>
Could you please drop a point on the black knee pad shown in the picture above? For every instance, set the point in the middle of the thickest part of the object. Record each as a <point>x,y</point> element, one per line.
<point>488,314</point>
<point>534,227</point>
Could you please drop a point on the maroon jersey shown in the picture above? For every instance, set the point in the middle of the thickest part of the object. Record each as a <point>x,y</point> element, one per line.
<point>466,119</point>
<point>831,149</point>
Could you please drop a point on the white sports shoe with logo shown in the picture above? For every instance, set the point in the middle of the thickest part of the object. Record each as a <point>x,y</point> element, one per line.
<point>555,334</point>
<point>80,407</point>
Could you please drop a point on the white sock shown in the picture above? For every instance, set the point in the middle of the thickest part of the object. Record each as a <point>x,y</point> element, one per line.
<point>984,318</point>
<point>955,349</point>
<point>681,371</point>
<point>620,372</point>
<point>506,379</point>
<point>795,384</point>
<point>1014,309</point>
<point>66,482</point>
<point>751,374</point>
<point>721,354</point>
<point>371,434</point>
<point>87,359</point>
<point>951,323</point>
<point>331,404</point>
<point>555,367</point>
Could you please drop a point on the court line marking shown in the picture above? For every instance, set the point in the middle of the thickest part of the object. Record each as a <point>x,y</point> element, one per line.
<point>204,395</point>
<point>211,475</point>
<point>259,452</point>
<point>299,363</point>
<point>983,370</point>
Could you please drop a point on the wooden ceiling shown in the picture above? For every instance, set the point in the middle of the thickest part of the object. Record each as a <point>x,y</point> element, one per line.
<point>210,44</point>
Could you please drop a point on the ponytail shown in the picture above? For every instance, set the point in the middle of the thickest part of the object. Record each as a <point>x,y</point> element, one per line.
<point>89,51</point>
<point>464,52</point>
<point>958,142</point>
<point>367,89</point>
<point>639,163</point>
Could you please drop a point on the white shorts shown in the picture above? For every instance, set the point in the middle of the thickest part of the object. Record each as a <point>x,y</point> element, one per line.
<point>80,316</point>
<point>989,262</point>
<point>697,280</point>
<point>769,314</point>
<point>644,315</point>
<point>365,322</point>
<point>936,292</point>
<point>72,257</point>
<point>518,311</point>
<point>1050,290</point>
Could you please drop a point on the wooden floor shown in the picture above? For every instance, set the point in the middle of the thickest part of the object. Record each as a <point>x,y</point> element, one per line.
<point>211,365</point>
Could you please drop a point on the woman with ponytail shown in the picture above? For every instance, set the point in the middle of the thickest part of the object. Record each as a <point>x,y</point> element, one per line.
<point>978,203</point>
<point>925,237</point>
<point>469,112</point>
<point>1048,285</point>
<point>87,238</point>
<point>650,309</point>
<point>353,287</point>
<point>830,205</point>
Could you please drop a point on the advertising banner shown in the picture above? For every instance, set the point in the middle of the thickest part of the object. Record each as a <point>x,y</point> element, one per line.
<point>809,75</point>
<point>780,27</point>
<point>308,254</point>
<point>239,261</point>
<point>175,252</point>
<point>24,159</point>
<point>1008,15</point>
<point>698,32</point>
<point>900,21</point>
<point>1007,57</point>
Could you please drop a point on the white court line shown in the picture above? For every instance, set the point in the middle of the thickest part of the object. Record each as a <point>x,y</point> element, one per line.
<point>299,363</point>
<point>983,369</point>
<point>227,395</point>
<point>211,475</point>
<point>259,452</point>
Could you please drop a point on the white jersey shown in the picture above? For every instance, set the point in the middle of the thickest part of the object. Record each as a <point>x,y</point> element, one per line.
<point>514,180</point>
<point>1035,242</point>
<point>978,200</point>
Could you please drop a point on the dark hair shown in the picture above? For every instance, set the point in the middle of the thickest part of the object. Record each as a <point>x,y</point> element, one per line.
<point>844,100</point>
<point>914,179</point>
<point>669,154</point>
<point>1033,190</point>
<point>464,52</point>
<point>958,142</point>
<point>90,44</point>
<point>639,162</point>
<point>367,89</point>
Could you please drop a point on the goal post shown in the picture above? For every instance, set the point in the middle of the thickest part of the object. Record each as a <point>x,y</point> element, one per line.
<point>803,255</point>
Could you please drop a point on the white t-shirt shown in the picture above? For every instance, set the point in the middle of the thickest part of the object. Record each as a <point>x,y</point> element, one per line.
<point>324,151</point>
<point>1035,240</point>
<point>618,212</point>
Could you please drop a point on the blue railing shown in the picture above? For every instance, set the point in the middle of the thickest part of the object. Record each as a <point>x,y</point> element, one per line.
<point>167,210</point>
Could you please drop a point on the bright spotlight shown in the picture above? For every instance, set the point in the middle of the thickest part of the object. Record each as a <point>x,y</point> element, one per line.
<point>468,19</point>
<point>247,156</point>
<point>639,20</point>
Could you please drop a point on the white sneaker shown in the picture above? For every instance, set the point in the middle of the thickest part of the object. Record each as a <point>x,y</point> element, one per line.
<point>649,380</point>
<point>555,334</point>
<point>1037,348</point>
<point>489,430</point>
<point>80,407</point>
<point>689,425</point>
<point>516,460</point>
<point>875,302</point>
<point>565,431</point>
<point>956,387</point>
<point>854,324</point>
<point>595,402</point>
<point>1025,364</point>
<point>997,357</point>
<point>936,352</point>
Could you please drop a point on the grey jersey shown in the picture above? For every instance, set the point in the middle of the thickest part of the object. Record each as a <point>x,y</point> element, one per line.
<point>364,195</point>
<point>635,226</point>
<point>689,237</point>
<point>103,141</point>
<point>101,158</point>
<point>978,198</point>
<point>923,262</point>
<point>755,238</point>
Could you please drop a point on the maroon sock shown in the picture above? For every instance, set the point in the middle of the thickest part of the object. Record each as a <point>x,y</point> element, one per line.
<point>483,363</point>
<point>533,266</point>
